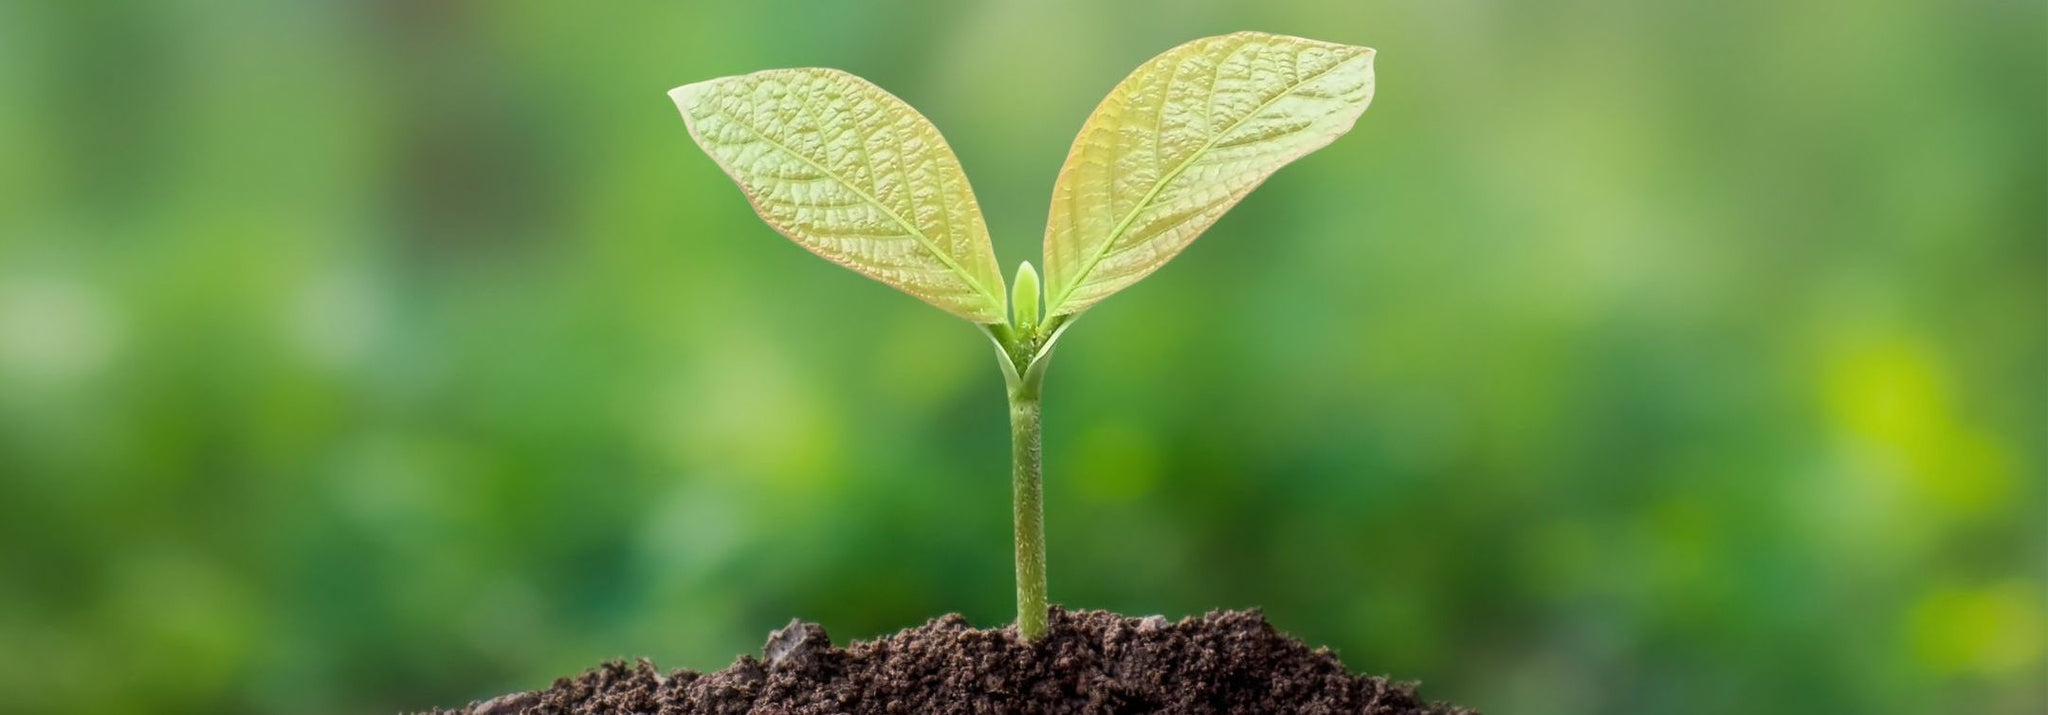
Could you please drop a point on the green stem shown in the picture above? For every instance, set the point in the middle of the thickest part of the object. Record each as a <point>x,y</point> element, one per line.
<point>1023,355</point>
<point>1026,480</point>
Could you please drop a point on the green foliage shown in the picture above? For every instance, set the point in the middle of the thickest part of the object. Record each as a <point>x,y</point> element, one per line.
<point>852,173</point>
<point>1183,139</point>
<point>857,176</point>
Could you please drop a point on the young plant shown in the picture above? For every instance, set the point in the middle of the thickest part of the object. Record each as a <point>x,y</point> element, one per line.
<point>855,175</point>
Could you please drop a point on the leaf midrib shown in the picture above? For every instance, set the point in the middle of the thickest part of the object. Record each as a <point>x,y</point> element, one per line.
<point>1117,233</point>
<point>922,240</point>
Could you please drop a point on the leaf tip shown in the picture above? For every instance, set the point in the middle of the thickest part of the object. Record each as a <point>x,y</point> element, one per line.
<point>688,95</point>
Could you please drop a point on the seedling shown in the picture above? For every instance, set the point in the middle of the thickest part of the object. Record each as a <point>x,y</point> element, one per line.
<point>855,175</point>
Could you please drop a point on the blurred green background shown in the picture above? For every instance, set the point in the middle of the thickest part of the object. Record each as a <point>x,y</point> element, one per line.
<point>1628,358</point>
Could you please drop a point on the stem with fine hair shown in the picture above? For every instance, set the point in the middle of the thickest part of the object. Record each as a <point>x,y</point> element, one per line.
<point>1027,483</point>
<point>1023,355</point>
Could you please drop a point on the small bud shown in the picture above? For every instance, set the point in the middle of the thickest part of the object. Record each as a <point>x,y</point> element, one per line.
<point>1024,298</point>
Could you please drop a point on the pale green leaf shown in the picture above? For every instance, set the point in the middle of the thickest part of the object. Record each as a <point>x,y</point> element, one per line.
<point>852,173</point>
<point>1179,142</point>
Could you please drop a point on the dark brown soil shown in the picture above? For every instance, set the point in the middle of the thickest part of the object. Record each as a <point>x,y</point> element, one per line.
<point>1092,662</point>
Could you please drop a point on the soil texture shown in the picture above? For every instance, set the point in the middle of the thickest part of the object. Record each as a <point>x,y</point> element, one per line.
<point>1090,663</point>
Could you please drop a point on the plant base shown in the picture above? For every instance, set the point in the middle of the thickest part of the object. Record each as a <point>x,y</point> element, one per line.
<point>1090,662</point>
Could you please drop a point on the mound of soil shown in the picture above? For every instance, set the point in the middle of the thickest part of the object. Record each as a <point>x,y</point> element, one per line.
<point>1091,662</point>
